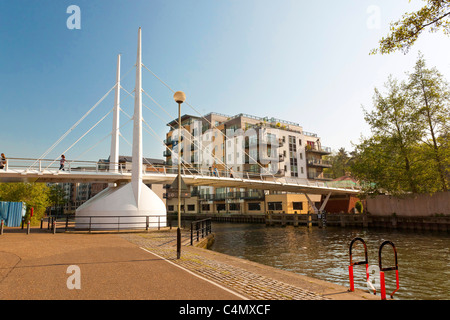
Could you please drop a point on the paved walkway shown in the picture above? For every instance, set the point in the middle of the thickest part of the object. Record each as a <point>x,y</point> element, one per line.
<point>143,266</point>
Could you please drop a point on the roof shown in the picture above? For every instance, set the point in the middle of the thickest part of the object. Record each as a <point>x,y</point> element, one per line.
<point>174,122</point>
<point>346,178</point>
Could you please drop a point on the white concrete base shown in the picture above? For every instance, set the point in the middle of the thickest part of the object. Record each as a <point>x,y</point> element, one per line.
<point>115,208</point>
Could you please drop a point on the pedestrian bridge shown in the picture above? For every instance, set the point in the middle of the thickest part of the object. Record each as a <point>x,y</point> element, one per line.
<point>47,171</point>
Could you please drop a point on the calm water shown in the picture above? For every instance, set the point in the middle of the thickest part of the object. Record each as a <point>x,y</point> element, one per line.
<point>423,257</point>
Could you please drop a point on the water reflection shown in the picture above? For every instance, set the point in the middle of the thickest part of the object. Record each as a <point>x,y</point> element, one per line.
<point>423,257</point>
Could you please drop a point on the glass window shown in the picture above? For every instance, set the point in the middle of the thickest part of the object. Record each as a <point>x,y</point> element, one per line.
<point>297,205</point>
<point>254,206</point>
<point>275,206</point>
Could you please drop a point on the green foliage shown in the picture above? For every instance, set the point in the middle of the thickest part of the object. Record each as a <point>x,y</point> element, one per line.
<point>408,150</point>
<point>35,195</point>
<point>359,206</point>
<point>56,195</point>
<point>435,15</point>
<point>340,163</point>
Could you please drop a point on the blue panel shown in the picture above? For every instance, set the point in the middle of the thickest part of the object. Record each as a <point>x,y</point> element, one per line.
<point>12,213</point>
<point>4,210</point>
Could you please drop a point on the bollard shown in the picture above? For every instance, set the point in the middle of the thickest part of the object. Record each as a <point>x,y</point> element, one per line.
<point>178,243</point>
<point>54,226</point>
<point>1,228</point>
<point>28,227</point>
<point>42,222</point>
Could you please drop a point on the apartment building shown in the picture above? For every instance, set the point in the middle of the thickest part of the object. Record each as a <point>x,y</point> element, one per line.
<point>249,146</point>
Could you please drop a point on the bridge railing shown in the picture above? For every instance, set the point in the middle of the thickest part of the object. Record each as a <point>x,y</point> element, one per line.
<point>26,165</point>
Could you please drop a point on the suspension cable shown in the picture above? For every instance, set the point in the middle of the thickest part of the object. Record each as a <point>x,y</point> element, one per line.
<point>188,136</point>
<point>213,126</point>
<point>72,128</point>
<point>103,118</point>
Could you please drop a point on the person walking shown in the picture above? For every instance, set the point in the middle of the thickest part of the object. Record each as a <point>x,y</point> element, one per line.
<point>3,161</point>
<point>62,162</point>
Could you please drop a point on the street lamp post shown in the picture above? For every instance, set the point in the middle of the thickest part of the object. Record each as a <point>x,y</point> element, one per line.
<point>179,98</point>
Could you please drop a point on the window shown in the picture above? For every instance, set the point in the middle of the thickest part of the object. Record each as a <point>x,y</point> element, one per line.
<point>235,206</point>
<point>220,207</point>
<point>191,207</point>
<point>205,207</point>
<point>275,206</point>
<point>297,205</point>
<point>255,206</point>
<point>169,208</point>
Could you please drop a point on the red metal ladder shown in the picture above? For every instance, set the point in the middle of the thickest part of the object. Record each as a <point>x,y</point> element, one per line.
<point>382,270</point>
<point>365,261</point>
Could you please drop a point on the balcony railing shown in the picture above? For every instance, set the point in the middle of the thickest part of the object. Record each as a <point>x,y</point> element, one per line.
<point>321,149</point>
<point>232,195</point>
<point>319,163</point>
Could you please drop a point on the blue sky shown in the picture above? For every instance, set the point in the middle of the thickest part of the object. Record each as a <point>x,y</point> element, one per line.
<point>302,61</point>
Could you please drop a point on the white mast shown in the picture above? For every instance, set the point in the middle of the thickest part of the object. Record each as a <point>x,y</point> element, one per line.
<point>114,154</point>
<point>136,173</point>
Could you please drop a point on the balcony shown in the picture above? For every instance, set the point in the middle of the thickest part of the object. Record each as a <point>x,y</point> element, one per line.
<point>247,195</point>
<point>319,150</point>
<point>318,163</point>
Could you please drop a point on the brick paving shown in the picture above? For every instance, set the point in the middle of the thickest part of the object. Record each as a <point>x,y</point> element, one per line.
<point>248,283</point>
<point>114,266</point>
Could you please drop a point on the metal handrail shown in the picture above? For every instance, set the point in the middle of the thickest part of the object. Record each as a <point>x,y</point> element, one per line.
<point>52,166</point>
<point>145,224</point>
<point>200,226</point>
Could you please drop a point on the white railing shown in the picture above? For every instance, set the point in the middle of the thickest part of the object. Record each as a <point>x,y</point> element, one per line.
<point>43,166</point>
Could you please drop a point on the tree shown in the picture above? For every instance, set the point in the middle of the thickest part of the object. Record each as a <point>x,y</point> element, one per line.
<point>435,15</point>
<point>339,163</point>
<point>409,149</point>
<point>393,124</point>
<point>35,195</point>
<point>57,196</point>
<point>431,99</point>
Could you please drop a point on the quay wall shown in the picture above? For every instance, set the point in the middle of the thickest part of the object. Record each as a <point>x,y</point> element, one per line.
<point>416,205</point>
<point>418,223</point>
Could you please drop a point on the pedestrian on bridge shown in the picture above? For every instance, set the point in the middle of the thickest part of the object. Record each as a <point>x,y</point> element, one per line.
<point>62,162</point>
<point>3,161</point>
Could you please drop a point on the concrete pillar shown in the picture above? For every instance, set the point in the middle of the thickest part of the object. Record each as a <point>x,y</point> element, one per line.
<point>114,154</point>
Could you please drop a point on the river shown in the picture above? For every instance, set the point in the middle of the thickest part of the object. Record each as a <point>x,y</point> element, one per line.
<point>323,253</point>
